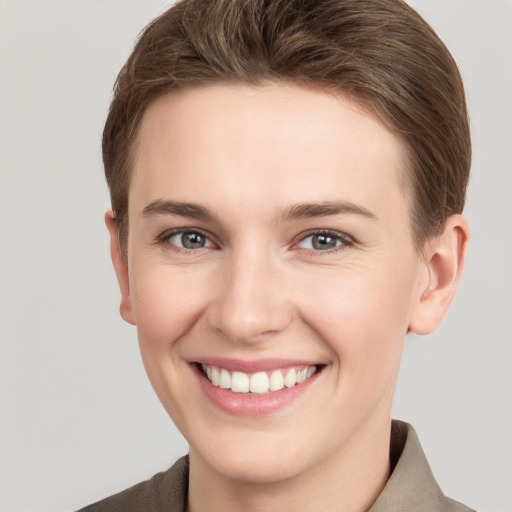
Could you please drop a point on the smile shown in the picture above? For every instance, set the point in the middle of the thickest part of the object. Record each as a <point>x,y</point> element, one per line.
<point>258,383</point>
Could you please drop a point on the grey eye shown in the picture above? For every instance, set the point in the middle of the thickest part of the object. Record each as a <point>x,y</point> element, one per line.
<point>320,242</point>
<point>190,240</point>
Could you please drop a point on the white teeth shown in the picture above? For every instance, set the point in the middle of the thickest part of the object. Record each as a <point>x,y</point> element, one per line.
<point>276,382</point>
<point>225,379</point>
<point>215,376</point>
<point>259,383</point>
<point>240,382</point>
<point>290,378</point>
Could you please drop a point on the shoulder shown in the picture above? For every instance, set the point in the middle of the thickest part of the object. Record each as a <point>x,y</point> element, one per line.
<point>164,491</point>
<point>411,485</point>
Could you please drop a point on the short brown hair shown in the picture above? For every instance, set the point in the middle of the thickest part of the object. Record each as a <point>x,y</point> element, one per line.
<point>381,52</point>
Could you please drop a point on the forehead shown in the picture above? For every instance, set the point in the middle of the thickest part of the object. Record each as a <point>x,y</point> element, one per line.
<point>264,144</point>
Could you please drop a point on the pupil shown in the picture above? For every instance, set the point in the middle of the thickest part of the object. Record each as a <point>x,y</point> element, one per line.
<point>324,242</point>
<point>192,240</point>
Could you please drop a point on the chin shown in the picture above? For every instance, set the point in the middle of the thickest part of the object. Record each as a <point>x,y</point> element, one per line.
<point>265,459</point>
<point>258,470</point>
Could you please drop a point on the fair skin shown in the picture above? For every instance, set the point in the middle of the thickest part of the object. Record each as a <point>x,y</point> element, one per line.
<point>269,232</point>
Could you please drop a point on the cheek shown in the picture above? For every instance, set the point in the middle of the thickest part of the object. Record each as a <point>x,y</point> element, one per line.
<point>362,313</point>
<point>166,303</point>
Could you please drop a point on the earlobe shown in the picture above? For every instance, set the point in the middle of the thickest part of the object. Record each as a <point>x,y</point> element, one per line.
<point>444,260</point>
<point>121,268</point>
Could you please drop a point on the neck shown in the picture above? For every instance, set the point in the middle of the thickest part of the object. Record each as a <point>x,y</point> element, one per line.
<point>350,481</point>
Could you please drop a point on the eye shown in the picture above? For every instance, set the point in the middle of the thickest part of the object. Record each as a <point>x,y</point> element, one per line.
<point>324,241</point>
<point>187,239</point>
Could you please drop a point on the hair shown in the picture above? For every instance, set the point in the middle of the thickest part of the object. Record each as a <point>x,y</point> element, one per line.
<point>379,52</point>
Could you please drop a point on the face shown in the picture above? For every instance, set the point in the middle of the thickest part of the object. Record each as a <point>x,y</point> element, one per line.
<point>272,274</point>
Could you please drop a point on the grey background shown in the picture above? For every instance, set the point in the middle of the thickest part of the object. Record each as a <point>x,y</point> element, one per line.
<point>78,417</point>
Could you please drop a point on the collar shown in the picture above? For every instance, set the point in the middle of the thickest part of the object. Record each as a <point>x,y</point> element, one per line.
<point>411,485</point>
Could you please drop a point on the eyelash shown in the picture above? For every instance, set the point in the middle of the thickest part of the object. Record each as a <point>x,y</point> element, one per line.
<point>164,239</point>
<point>345,240</point>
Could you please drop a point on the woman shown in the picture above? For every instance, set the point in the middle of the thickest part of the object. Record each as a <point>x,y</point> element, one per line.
<point>287,181</point>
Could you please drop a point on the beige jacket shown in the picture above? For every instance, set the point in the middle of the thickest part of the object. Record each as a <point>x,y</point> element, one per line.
<point>410,488</point>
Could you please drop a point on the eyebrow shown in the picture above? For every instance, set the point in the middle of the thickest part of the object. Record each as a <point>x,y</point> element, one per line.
<point>293,212</point>
<point>311,210</point>
<point>194,211</point>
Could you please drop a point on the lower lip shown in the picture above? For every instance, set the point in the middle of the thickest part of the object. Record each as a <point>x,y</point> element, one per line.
<point>251,405</point>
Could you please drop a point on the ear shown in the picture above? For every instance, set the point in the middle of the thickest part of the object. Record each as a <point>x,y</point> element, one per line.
<point>444,259</point>
<point>121,268</point>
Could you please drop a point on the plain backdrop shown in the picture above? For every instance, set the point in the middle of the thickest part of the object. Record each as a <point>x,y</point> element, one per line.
<point>79,420</point>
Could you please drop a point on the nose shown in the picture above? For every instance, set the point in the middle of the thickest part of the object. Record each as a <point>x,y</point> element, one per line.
<point>251,303</point>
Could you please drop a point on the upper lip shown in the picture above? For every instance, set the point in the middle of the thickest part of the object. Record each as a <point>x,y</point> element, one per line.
<point>253,366</point>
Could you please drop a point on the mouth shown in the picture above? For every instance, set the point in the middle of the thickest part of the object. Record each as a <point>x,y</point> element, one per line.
<point>254,388</point>
<point>259,383</point>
